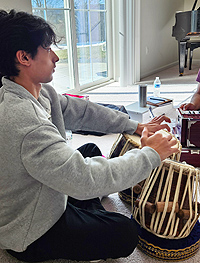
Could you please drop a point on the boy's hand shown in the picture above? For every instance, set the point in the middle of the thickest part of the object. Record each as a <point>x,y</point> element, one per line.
<point>164,145</point>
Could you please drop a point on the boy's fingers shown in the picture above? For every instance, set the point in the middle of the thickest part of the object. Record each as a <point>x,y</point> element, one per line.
<point>145,132</point>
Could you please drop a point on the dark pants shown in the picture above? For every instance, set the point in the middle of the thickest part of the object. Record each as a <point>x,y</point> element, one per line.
<point>86,231</point>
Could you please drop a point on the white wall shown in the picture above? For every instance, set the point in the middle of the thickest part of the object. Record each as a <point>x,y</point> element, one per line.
<point>19,5</point>
<point>188,4</point>
<point>158,48</point>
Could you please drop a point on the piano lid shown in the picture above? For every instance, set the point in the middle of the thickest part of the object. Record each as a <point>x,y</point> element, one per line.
<point>187,24</point>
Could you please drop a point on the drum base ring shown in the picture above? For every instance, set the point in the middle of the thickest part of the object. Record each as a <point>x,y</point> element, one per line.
<point>169,249</point>
<point>126,196</point>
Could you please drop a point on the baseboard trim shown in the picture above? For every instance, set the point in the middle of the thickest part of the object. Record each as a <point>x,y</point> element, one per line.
<point>151,72</point>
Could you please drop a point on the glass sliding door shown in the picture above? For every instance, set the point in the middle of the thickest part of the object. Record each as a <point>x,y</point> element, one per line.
<point>55,12</point>
<point>90,17</point>
<point>82,27</point>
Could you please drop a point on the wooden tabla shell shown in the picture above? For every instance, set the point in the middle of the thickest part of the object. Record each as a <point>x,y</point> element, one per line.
<point>168,203</point>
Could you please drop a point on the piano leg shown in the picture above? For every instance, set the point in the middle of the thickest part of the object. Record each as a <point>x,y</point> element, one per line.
<point>186,57</point>
<point>182,50</point>
<point>191,54</point>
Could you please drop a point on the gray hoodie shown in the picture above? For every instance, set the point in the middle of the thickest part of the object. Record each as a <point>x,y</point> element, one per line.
<point>39,170</point>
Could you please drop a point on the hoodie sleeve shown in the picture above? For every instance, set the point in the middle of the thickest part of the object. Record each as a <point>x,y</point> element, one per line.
<point>88,116</point>
<point>48,159</point>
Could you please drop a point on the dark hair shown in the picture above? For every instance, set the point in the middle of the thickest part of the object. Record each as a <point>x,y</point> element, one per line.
<point>21,31</point>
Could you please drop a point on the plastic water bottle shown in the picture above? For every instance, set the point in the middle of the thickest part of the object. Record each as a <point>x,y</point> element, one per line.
<point>157,84</point>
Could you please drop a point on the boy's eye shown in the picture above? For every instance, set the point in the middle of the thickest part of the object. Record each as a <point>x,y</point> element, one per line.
<point>48,49</point>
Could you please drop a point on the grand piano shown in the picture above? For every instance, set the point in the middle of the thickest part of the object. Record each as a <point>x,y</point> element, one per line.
<point>187,25</point>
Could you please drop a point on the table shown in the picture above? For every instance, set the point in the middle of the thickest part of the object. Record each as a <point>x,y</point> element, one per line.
<point>143,114</point>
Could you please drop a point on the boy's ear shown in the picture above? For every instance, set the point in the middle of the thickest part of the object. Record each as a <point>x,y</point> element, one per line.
<point>23,57</point>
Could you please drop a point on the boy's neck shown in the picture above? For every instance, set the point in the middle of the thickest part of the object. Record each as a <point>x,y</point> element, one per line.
<point>34,89</point>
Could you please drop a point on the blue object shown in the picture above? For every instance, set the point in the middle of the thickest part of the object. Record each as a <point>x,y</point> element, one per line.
<point>156,100</point>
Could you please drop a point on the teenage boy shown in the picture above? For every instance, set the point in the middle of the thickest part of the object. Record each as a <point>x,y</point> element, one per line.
<point>49,205</point>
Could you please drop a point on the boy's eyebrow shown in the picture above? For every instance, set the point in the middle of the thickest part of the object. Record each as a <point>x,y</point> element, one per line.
<point>47,48</point>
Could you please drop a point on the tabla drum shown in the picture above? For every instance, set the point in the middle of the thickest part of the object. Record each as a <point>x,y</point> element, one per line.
<point>167,212</point>
<point>126,142</point>
<point>168,203</point>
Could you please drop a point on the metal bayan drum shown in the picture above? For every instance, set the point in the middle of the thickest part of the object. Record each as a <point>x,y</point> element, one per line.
<point>126,142</point>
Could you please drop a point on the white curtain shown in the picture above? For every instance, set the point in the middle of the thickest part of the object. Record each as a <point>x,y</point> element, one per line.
<point>129,41</point>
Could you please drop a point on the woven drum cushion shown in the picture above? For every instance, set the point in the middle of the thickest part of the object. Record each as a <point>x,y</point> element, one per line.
<point>169,249</point>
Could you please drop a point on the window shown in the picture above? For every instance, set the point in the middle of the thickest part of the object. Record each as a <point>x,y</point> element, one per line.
<point>82,26</point>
